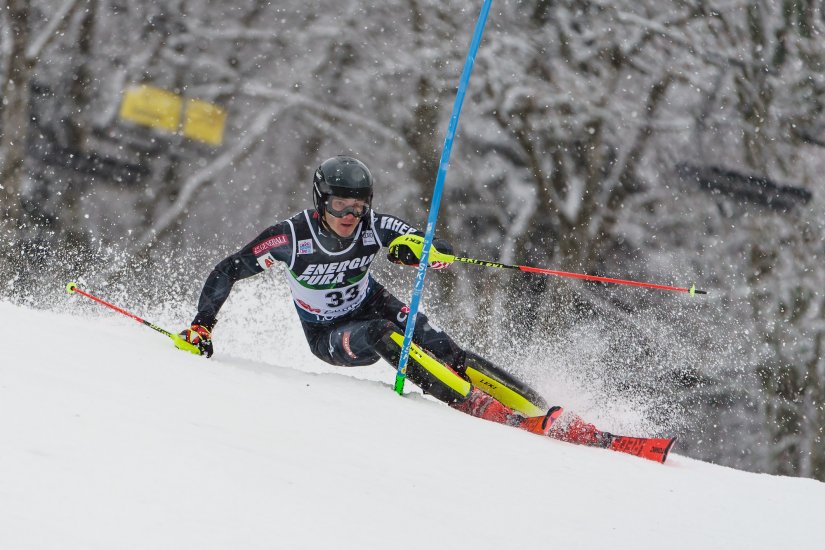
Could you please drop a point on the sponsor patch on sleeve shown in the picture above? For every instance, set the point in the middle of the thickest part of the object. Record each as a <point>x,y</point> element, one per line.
<point>270,243</point>
<point>266,261</point>
<point>393,224</point>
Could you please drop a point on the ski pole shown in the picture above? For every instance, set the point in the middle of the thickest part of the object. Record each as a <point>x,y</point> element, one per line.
<point>415,243</point>
<point>692,290</point>
<point>180,343</point>
<point>418,288</point>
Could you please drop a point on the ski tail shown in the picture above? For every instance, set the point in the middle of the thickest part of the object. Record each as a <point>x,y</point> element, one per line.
<point>650,448</point>
<point>573,429</point>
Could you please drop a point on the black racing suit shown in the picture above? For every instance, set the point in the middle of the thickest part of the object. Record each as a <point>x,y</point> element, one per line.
<point>346,315</point>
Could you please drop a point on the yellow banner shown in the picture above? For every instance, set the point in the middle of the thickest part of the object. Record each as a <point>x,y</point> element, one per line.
<point>161,109</point>
<point>204,121</point>
<point>152,107</point>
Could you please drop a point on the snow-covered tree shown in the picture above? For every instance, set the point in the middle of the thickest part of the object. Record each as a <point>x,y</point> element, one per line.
<point>27,30</point>
<point>579,115</point>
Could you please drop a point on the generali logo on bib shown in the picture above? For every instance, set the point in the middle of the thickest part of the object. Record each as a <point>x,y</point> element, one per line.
<point>272,242</point>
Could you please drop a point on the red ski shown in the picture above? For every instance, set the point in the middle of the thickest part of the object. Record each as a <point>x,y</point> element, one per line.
<point>575,430</point>
<point>571,428</point>
<point>645,447</point>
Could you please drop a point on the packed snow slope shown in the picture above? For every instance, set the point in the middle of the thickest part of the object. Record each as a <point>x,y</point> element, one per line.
<point>110,438</point>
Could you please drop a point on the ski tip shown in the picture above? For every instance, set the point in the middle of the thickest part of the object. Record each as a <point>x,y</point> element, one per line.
<point>667,449</point>
<point>71,287</point>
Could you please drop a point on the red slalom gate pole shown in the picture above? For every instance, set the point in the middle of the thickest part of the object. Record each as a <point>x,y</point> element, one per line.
<point>180,343</point>
<point>692,290</point>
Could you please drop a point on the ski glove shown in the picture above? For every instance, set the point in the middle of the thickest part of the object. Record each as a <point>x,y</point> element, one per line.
<point>407,249</point>
<point>200,337</point>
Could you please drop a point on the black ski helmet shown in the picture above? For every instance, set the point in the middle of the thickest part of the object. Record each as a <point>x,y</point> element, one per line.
<point>341,176</point>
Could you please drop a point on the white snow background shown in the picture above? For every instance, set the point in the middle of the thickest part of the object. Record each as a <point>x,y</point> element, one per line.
<point>110,438</point>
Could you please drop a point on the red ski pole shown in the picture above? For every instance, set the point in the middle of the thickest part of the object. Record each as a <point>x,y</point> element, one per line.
<point>692,290</point>
<point>180,343</point>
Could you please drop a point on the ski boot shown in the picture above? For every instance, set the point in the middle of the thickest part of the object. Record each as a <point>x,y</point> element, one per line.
<point>481,405</point>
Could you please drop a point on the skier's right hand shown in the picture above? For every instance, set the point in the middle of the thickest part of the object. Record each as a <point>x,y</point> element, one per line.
<point>200,337</point>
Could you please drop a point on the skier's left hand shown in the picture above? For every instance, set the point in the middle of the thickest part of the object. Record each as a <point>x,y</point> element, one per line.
<point>407,249</point>
<point>200,337</point>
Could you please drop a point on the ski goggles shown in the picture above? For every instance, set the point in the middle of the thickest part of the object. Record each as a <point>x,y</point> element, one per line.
<point>340,206</point>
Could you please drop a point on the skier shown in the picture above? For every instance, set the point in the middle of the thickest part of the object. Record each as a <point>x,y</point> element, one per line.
<point>350,319</point>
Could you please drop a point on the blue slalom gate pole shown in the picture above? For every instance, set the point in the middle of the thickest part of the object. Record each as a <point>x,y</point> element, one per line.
<point>401,374</point>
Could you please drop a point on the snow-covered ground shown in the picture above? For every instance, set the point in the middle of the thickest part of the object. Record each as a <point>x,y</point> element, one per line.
<point>112,439</point>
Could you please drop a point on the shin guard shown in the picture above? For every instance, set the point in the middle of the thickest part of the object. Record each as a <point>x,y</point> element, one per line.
<point>425,371</point>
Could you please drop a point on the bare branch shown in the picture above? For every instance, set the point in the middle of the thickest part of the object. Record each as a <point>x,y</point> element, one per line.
<point>52,30</point>
<point>197,180</point>
<point>263,91</point>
